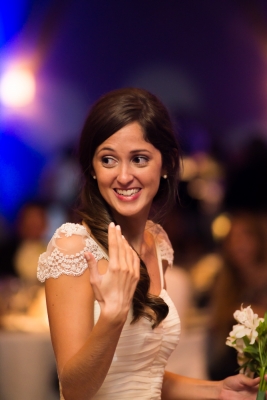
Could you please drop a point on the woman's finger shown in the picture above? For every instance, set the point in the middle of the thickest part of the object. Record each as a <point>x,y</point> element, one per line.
<point>129,255</point>
<point>92,266</point>
<point>136,266</point>
<point>112,245</point>
<point>122,250</point>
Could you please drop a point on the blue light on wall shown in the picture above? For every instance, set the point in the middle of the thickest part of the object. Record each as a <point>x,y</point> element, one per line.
<point>12,17</point>
<point>20,168</point>
<point>20,165</point>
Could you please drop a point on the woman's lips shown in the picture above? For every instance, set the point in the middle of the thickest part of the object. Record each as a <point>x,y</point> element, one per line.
<point>127,192</point>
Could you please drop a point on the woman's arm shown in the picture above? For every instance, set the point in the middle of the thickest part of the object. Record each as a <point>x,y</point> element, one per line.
<point>238,387</point>
<point>84,351</point>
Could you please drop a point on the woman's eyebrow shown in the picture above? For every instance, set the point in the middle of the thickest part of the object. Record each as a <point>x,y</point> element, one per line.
<point>140,151</point>
<point>131,152</point>
<point>105,149</point>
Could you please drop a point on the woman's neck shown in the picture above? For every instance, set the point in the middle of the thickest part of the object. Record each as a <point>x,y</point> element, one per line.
<point>133,230</point>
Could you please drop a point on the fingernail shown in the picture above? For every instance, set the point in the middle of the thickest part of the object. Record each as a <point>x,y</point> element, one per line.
<point>112,224</point>
<point>118,227</point>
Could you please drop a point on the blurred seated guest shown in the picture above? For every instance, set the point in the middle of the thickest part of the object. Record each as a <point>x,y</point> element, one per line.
<point>19,254</point>
<point>241,280</point>
<point>203,273</point>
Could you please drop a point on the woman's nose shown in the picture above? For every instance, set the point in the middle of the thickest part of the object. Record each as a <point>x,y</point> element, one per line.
<point>125,174</point>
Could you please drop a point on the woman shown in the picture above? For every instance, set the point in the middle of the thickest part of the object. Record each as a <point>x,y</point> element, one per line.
<point>112,323</point>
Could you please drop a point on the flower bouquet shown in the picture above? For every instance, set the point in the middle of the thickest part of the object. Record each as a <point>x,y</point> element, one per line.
<point>249,338</point>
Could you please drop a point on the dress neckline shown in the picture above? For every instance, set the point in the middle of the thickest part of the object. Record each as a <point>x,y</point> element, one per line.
<point>149,226</point>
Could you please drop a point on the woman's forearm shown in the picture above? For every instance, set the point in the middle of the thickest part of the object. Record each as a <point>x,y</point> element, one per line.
<point>82,376</point>
<point>177,387</point>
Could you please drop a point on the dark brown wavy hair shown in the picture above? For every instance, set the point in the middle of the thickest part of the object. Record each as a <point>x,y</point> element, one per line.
<point>109,114</point>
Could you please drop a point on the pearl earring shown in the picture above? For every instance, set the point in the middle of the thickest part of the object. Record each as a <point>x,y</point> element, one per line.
<point>165,176</point>
<point>94,177</point>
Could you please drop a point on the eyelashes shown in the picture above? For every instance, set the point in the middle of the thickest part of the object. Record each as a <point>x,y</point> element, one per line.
<point>109,162</point>
<point>140,160</point>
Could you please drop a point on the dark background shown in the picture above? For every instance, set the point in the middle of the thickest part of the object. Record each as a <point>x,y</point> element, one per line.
<point>205,59</point>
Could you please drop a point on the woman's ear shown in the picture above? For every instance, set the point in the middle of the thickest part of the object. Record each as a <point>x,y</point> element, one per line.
<point>163,173</point>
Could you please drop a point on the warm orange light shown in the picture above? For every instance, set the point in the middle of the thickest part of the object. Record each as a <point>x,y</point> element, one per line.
<point>221,226</point>
<point>17,87</point>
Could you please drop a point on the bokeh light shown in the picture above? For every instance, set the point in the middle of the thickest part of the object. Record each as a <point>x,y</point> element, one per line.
<point>17,87</point>
<point>221,226</point>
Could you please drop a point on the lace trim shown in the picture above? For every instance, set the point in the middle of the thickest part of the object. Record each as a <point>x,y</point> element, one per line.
<point>58,263</point>
<point>70,229</point>
<point>162,240</point>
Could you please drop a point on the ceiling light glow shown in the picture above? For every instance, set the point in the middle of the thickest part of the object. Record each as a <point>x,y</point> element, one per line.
<point>17,87</point>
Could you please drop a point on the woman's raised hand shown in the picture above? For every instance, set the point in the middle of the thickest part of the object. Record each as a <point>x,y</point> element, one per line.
<point>114,290</point>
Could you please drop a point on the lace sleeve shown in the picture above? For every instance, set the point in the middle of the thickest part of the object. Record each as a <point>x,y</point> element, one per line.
<point>162,241</point>
<point>65,252</point>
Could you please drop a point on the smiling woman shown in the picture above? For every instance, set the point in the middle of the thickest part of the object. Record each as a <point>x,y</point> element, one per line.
<point>113,325</point>
<point>128,171</point>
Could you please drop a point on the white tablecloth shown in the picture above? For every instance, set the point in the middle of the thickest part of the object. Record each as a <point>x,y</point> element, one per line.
<point>27,366</point>
<point>189,358</point>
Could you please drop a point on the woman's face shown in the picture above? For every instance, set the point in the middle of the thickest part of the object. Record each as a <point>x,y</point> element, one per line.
<point>128,171</point>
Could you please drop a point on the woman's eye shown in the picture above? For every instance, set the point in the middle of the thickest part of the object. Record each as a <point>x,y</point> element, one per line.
<point>108,161</point>
<point>140,160</point>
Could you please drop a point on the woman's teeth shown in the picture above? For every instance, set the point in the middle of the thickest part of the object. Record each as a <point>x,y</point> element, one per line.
<point>128,192</point>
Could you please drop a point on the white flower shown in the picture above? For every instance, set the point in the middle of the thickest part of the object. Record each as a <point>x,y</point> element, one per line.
<point>248,323</point>
<point>239,331</point>
<point>246,316</point>
<point>236,343</point>
<point>251,359</point>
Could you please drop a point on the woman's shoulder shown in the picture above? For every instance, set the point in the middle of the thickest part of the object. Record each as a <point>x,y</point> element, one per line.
<point>158,232</point>
<point>65,252</point>
<point>162,241</point>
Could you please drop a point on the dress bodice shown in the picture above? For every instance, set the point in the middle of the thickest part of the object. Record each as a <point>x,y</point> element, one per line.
<point>137,369</point>
<point>138,365</point>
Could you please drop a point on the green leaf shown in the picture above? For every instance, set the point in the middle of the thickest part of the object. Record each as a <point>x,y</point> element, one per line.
<point>246,340</point>
<point>261,395</point>
<point>262,328</point>
<point>251,350</point>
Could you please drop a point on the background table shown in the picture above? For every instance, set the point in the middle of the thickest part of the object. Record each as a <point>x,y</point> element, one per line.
<point>27,367</point>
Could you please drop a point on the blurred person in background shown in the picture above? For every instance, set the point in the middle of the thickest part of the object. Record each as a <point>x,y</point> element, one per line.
<point>19,253</point>
<point>20,291</point>
<point>242,279</point>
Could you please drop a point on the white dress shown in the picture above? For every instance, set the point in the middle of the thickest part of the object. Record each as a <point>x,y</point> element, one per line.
<point>138,365</point>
